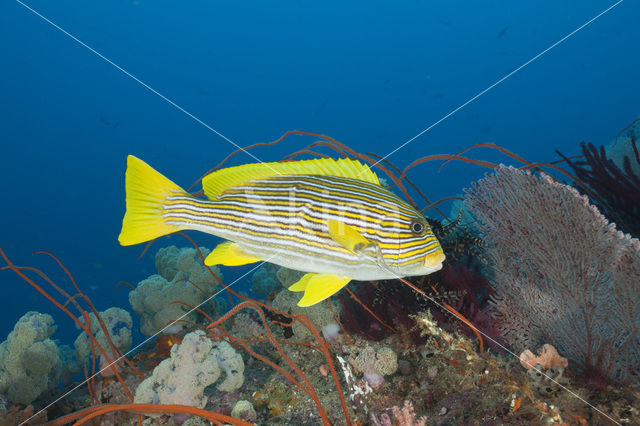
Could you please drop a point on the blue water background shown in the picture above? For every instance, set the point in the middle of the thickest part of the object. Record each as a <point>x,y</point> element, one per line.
<point>371,74</point>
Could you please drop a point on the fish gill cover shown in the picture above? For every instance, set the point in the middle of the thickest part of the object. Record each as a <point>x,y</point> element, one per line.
<point>410,82</point>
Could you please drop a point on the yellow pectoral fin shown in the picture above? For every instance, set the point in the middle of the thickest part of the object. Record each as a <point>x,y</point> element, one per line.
<point>229,254</point>
<point>347,236</point>
<point>321,286</point>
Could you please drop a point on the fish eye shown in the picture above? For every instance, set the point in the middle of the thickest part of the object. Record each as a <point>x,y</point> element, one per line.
<point>418,227</point>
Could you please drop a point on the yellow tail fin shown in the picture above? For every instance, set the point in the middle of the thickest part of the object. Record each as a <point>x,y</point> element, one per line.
<point>146,191</point>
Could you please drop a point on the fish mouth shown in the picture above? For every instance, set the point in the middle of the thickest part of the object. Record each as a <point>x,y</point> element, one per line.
<point>434,260</point>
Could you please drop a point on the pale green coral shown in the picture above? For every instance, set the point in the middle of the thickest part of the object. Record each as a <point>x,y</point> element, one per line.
<point>183,278</point>
<point>118,323</point>
<point>265,280</point>
<point>28,359</point>
<point>287,276</point>
<point>167,262</point>
<point>194,364</point>
<point>244,410</point>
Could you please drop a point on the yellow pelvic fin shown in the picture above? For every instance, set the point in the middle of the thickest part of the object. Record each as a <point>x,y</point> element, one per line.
<point>301,284</point>
<point>347,236</point>
<point>229,254</point>
<point>320,286</point>
<point>215,183</point>
<point>146,191</point>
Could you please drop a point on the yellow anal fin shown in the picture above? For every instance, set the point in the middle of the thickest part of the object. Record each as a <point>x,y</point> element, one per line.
<point>319,286</point>
<point>347,236</point>
<point>146,191</point>
<point>229,254</point>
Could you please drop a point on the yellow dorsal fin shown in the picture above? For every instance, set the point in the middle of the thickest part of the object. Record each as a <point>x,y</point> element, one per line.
<point>146,191</point>
<point>229,254</point>
<point>347,236</point>
<point>216,182</point>
<point>320,286</point>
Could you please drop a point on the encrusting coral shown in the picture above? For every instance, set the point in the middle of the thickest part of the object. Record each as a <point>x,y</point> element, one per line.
<point>244,410</point>
<point>548,357</point>
<point>545,371</point>
<point>194,364</point>
<point>182,277</point>
<point>376,363</point>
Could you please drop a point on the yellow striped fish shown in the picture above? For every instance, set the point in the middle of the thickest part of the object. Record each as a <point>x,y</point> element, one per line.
<point>330,218</point>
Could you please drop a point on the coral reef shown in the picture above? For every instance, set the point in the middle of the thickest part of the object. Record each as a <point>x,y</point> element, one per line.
<point>29,358</point>
<point>265,280</point>
<point>375,364</point>
<point>545,371</point>
<point>118,323</point>
<point>287,276</point>
<point>246,327</point>
<point>20,416</point>
<point>436,375</point>
<point>390,301</point>
<point>548,357</point>
<point>320,315</point>
<point>244,410</point>
<point>393,303</point>
<point>563,274</point>
<point>194,364</point>
<point>546,381</point>
<point>405,416</point>
<point>182,277</point>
